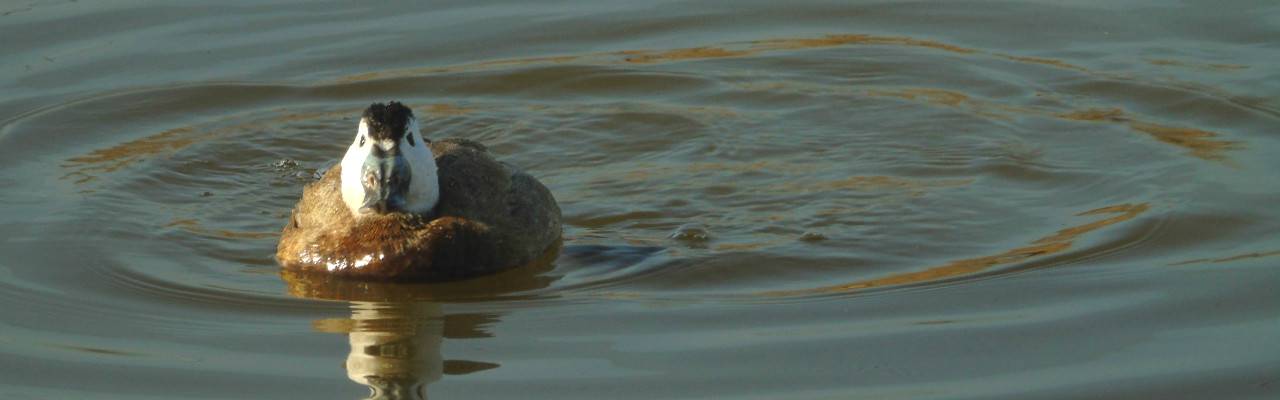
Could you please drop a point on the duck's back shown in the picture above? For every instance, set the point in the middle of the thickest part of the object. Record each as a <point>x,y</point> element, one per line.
<point>490,217</point>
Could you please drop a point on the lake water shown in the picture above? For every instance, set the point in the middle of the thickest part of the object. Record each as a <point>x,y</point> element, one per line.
<point>762,200</point>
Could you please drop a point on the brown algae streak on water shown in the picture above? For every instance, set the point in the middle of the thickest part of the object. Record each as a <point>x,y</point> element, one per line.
<point>949,98</point>
<point>1052,244</point>
<point>740,49</point>
<point>287,116</point>
<point>872,183</point>
<point>860,39</point>
<point>122,155</point>
<point>929,95</point>
<point>641,172</point>
<point>1096,115</point>
<point>444,109</point>
<point>468,67</point>
<point>1200,143</point>
<point>524,61</point>
<point>692,53</point>
<point>1044,61</point>
<point>1199,66</point>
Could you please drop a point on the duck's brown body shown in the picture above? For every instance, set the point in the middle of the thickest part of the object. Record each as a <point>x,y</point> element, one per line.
<point>490,217</point>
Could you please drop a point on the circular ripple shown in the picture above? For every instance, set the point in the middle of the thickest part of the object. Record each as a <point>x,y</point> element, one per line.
<point>182,190</point>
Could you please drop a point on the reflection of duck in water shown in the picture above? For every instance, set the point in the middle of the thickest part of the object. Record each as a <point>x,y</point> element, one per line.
<point>395,348</point>
<point>402,207</point>
<point>396,330</point>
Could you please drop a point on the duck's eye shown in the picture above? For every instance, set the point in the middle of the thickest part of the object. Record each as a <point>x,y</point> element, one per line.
<point>410,138</point>
<point>361,141</point>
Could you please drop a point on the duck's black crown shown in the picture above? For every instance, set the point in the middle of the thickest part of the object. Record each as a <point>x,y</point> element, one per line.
<point>387,121</point>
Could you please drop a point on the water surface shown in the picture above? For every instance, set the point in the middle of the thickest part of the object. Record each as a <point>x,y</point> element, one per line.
<point>794,200</point>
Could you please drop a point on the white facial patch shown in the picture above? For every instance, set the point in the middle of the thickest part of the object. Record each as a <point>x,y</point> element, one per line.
<point>424,186</point>
<point>352,166</point>
<point>424,189</point>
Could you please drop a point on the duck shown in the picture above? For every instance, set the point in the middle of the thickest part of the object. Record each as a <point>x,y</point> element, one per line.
<point>402,207</point>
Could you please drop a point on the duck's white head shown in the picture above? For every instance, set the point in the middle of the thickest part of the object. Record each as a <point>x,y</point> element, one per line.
<point>389,166</point>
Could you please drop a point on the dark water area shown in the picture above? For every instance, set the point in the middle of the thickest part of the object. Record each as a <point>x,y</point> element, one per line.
<point>774,200</point>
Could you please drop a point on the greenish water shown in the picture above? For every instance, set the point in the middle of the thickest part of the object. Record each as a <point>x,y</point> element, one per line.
<point>799,200</point>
